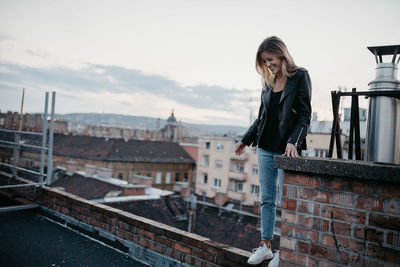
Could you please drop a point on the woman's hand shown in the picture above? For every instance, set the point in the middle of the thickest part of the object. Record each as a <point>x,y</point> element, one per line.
<point>291,151</point>
<point>239,148</point>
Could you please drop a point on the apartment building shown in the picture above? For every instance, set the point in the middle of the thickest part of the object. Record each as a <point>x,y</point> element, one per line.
<point>221,172</point>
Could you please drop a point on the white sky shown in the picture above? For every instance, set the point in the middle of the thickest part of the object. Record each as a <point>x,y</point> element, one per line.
<point>102,56</point>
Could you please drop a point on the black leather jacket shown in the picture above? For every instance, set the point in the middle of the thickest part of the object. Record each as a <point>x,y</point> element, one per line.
<point>294,112</point>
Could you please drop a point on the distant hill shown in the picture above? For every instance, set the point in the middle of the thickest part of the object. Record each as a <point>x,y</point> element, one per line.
<point>140,122</point>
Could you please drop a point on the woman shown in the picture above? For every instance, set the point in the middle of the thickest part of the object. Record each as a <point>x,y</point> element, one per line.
<point>280,128</point>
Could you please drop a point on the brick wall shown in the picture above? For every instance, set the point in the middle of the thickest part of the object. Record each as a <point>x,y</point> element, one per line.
<point>184,247</point>
<point>337,213</point>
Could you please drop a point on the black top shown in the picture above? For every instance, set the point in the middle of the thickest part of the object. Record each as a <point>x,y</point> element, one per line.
<point>270,138</point>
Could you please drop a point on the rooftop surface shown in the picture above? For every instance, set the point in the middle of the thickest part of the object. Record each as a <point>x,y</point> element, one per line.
<point>27,238</point>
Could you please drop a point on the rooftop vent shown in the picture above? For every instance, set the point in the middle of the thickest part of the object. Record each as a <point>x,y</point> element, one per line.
<point>382,140</point>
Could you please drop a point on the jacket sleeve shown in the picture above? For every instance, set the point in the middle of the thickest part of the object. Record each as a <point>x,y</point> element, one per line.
<point>251,134</point>
<point>303,107</point>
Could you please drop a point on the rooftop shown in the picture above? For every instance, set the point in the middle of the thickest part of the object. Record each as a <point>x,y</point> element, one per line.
<point>113,149</point>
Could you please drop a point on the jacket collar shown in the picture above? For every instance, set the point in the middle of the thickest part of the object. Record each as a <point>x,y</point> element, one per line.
<point>289,88</point>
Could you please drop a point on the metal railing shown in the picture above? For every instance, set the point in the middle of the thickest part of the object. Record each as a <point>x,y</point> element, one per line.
<point>16,144</point>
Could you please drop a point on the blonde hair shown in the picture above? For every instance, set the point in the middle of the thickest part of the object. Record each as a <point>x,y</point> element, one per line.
<point>276,46</point>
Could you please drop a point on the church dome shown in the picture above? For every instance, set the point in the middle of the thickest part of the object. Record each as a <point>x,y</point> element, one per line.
<point>171,119</point>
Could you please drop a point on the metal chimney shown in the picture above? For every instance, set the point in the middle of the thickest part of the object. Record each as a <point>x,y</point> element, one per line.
<point>383,126</point>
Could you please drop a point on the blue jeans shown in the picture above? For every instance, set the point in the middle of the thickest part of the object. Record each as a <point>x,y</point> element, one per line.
<point>268,177</point>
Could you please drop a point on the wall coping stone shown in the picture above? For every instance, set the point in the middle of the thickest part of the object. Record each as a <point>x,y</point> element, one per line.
<point>341,168</point>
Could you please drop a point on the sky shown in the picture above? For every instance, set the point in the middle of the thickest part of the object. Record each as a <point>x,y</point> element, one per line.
<point>145,58</point>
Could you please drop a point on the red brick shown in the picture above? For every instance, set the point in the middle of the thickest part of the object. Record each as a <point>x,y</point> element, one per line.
<point>288,243</point>
<point>334,241</point>
<point>182,248</point>
<point>320,224</point>
<point>189,259</point>
<point>357,246</point>
<point>292,257</point>
<point>341,228</point>
<point>311,261</point>
<point>393,206</point>
<point>385,254</point>
<point>369,234</point>
<point>299,233</point>
<point>393,239</point>
<point>318,251</point>
<point>343,214</point>
<point>199,253</point>
<point>303,180</point>
<point>337,256</point>
<point>164,241</point>
<point>308,207</point>
<point>388,190</point>
<point>342,199</point>
<point>314,195</point>
<point>367,203</point>
<point>336,184</point>
<point>289,217</point>
<point>289,204</point>
<point>358,260</point>
<point>384,221</point>
<point>303,247</point>
<point>290,191</point>
<point>362,188</point>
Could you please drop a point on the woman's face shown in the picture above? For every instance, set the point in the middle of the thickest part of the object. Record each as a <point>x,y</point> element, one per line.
<point>273,62</point>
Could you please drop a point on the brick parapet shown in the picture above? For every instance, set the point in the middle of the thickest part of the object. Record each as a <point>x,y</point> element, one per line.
<point>332,220</point>
<point>184,247</point>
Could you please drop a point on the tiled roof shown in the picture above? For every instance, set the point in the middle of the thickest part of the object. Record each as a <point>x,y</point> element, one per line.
<point>111,149</point>
<point>156,210</point>
<point>85,187</point>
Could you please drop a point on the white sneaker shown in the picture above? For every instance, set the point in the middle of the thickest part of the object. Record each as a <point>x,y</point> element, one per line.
<point>259,255</point>
<point>275,260</point>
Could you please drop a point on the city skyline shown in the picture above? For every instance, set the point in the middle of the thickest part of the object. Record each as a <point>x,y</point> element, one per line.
<point>145,58</point>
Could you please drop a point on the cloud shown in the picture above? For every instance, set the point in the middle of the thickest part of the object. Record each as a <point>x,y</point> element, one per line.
<point>5,37</point>
<point>37,53</point>
<point>118,80</point>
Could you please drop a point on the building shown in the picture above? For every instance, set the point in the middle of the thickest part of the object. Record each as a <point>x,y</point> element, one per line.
<point>30,122</point>
<point>173,130</point>
<point>220,173</point>
<point>319,135</point>
<point>164,162</point>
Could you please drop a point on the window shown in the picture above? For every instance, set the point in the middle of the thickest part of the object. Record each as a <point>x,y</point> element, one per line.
<point>158,178</point>
<point>120,176</point>
<point>217,183</point>
<point>239,167</point>
<point>185,177</point>
<point>168,178</point>
<point>207,144</point>
<point>218,164</point>
<point>321,153</point>
<point>255,190</point>
<point>255,169</point>
<point>206,161</point>
<point>219,145</point>
<point>238,187</point>
<point>177,177</point>
<point>205,178</point>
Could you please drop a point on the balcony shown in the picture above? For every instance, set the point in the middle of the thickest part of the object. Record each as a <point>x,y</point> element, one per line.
<point>241,176</point>
<point>240,196</point>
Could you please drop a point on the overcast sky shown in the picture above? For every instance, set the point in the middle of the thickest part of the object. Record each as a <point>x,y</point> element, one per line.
<point>146,57</point>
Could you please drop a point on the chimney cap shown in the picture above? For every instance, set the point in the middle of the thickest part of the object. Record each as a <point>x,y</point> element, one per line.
<point>384,50</point>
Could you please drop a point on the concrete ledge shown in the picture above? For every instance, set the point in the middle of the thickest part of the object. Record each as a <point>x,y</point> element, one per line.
<point>341,168</point>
